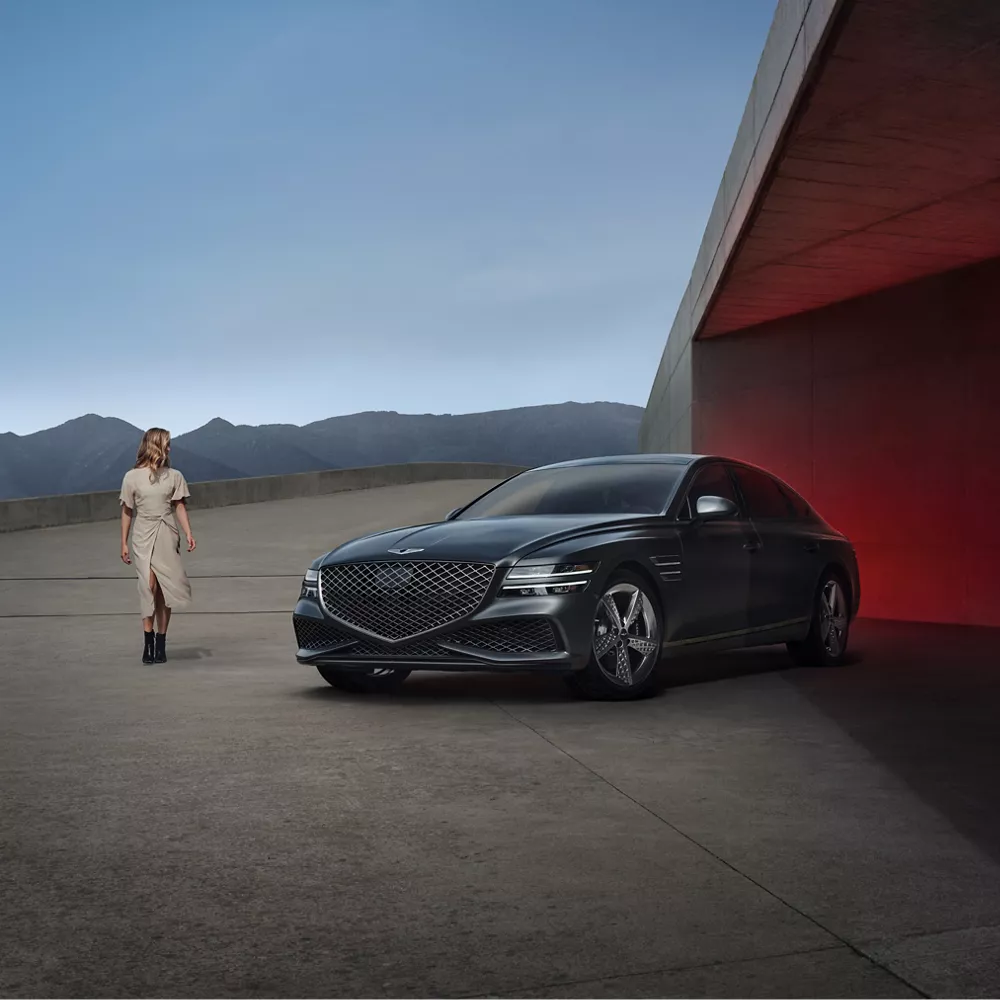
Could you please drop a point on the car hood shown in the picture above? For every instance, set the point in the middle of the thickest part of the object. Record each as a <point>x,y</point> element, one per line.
<point>478,540</point>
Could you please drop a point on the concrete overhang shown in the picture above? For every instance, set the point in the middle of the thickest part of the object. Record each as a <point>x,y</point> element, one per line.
<point>888,168</point>
<point>868,156</point>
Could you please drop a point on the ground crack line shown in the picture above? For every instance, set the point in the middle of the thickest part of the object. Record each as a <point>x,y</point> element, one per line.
<point>749,878</point>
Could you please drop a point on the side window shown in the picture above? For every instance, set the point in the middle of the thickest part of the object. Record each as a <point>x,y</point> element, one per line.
<point>763,496</point>
<point>711,481</point>
<point>800,508</point>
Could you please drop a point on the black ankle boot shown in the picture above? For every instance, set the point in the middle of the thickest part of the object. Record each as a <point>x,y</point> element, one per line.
<point>161,648</point>
<point>147,648</point>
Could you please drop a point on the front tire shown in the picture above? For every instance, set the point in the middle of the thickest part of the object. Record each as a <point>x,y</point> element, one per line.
<point>626,656</point>
<point>826,643</point>
<point>380,680</point>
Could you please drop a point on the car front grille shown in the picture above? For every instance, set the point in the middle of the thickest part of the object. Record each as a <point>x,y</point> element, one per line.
<point>511,635</point>
<point>397,600</point>
<point>419,648</point>
<point>316,635</point>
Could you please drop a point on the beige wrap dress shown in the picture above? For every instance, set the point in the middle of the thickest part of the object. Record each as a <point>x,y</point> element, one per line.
<point>156,540</point>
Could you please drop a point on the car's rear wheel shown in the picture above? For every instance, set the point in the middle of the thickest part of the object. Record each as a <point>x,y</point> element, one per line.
<point>378,680</point>
<point>625,660</point>
<point>826,643</point>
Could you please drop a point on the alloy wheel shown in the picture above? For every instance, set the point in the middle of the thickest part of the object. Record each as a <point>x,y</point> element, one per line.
<point>833,617</point>
<point>626,635</point>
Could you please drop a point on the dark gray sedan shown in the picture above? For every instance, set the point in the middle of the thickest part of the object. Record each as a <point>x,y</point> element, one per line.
<point>600,569</point>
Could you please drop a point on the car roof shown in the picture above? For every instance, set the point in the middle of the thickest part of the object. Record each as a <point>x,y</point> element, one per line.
<point>684,460</point>
<point>638,459</point>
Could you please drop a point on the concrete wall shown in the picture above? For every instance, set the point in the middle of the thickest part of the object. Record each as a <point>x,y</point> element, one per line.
<point>44,512</point>
<point>885,411</point>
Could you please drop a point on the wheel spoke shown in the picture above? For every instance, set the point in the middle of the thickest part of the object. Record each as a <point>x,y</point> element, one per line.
<point>623,668</point>
<point>602,643</point>
<point>634,607</point>
<point>612,610</point>
<point>626,621</point>
<point>642,644</point>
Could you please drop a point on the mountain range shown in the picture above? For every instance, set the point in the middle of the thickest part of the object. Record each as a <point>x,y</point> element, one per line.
<point>93,452</point>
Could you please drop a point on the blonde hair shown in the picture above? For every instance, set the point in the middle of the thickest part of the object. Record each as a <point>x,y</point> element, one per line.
<point>153,451</point>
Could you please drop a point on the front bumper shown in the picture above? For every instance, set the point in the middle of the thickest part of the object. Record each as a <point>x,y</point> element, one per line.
<point>475,643</point>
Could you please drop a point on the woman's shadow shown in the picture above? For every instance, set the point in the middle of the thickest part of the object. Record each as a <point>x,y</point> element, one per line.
<point>189,653</point>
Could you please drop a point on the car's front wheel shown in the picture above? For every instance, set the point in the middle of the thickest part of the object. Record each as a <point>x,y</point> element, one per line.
<point>376,681</point>
<point>625,660</point>
<point>826,643</point>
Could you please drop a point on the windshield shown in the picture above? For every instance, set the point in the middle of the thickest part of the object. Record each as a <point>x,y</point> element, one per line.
<point>625,488</point>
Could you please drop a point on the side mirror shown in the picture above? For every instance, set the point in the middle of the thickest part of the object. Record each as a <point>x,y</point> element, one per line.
<point>714,508</point>
<point>452,513</point>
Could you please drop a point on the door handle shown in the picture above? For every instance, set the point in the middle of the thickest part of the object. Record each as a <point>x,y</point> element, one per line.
<point>751,546</point>
<point>811,546</point>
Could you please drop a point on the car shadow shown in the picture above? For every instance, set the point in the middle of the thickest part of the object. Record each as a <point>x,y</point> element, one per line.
<point>703,668</point>
<point>922,699</point>
<point>431,686</point>
<point>530,688</point>
<point>925,704</point>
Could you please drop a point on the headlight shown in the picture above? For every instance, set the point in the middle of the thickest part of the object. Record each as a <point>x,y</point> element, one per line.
<point>554,578</point>
<point>310,584</point>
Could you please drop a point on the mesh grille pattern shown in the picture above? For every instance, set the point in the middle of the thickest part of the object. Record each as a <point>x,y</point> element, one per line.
<point>316,635</point>
<point>422,647</point>
<point>514,635</point>
<point>399,599</point>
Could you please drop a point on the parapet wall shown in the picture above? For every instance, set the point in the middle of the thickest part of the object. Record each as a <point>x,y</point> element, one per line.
<point>79,508</point>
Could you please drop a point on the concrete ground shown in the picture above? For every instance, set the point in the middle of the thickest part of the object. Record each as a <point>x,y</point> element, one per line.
<point>226,824</point>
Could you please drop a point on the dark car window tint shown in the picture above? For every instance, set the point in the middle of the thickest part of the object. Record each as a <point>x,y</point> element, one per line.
<point>798,505</point>
<point>623,488</point>
<point>711,481</point>
<point>763,497</point>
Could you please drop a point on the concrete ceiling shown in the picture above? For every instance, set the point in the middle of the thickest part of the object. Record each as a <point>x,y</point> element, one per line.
<point>889,170</point>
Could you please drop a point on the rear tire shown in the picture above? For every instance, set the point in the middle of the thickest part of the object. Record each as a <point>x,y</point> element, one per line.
<point>826,643</point>
<point>377,681</point>
<point>626,660</point>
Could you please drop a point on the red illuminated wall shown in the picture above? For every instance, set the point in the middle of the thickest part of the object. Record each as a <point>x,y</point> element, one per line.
<point>885,412</point>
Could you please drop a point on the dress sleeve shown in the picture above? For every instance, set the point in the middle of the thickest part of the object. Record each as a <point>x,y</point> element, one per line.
<point>181,491</point>
<point>127,496</point>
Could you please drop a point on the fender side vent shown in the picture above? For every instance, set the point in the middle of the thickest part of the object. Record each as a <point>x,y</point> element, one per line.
<point>668,566</point>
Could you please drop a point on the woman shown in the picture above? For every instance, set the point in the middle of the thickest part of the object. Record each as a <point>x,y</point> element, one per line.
<point>152,493</point>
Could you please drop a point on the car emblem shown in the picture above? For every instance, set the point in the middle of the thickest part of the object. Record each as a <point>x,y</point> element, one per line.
<point>393,576</point>
<point>404,552</point>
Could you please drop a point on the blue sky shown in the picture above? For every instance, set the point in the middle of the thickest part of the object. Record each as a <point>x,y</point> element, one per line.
<point>279,211</point>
